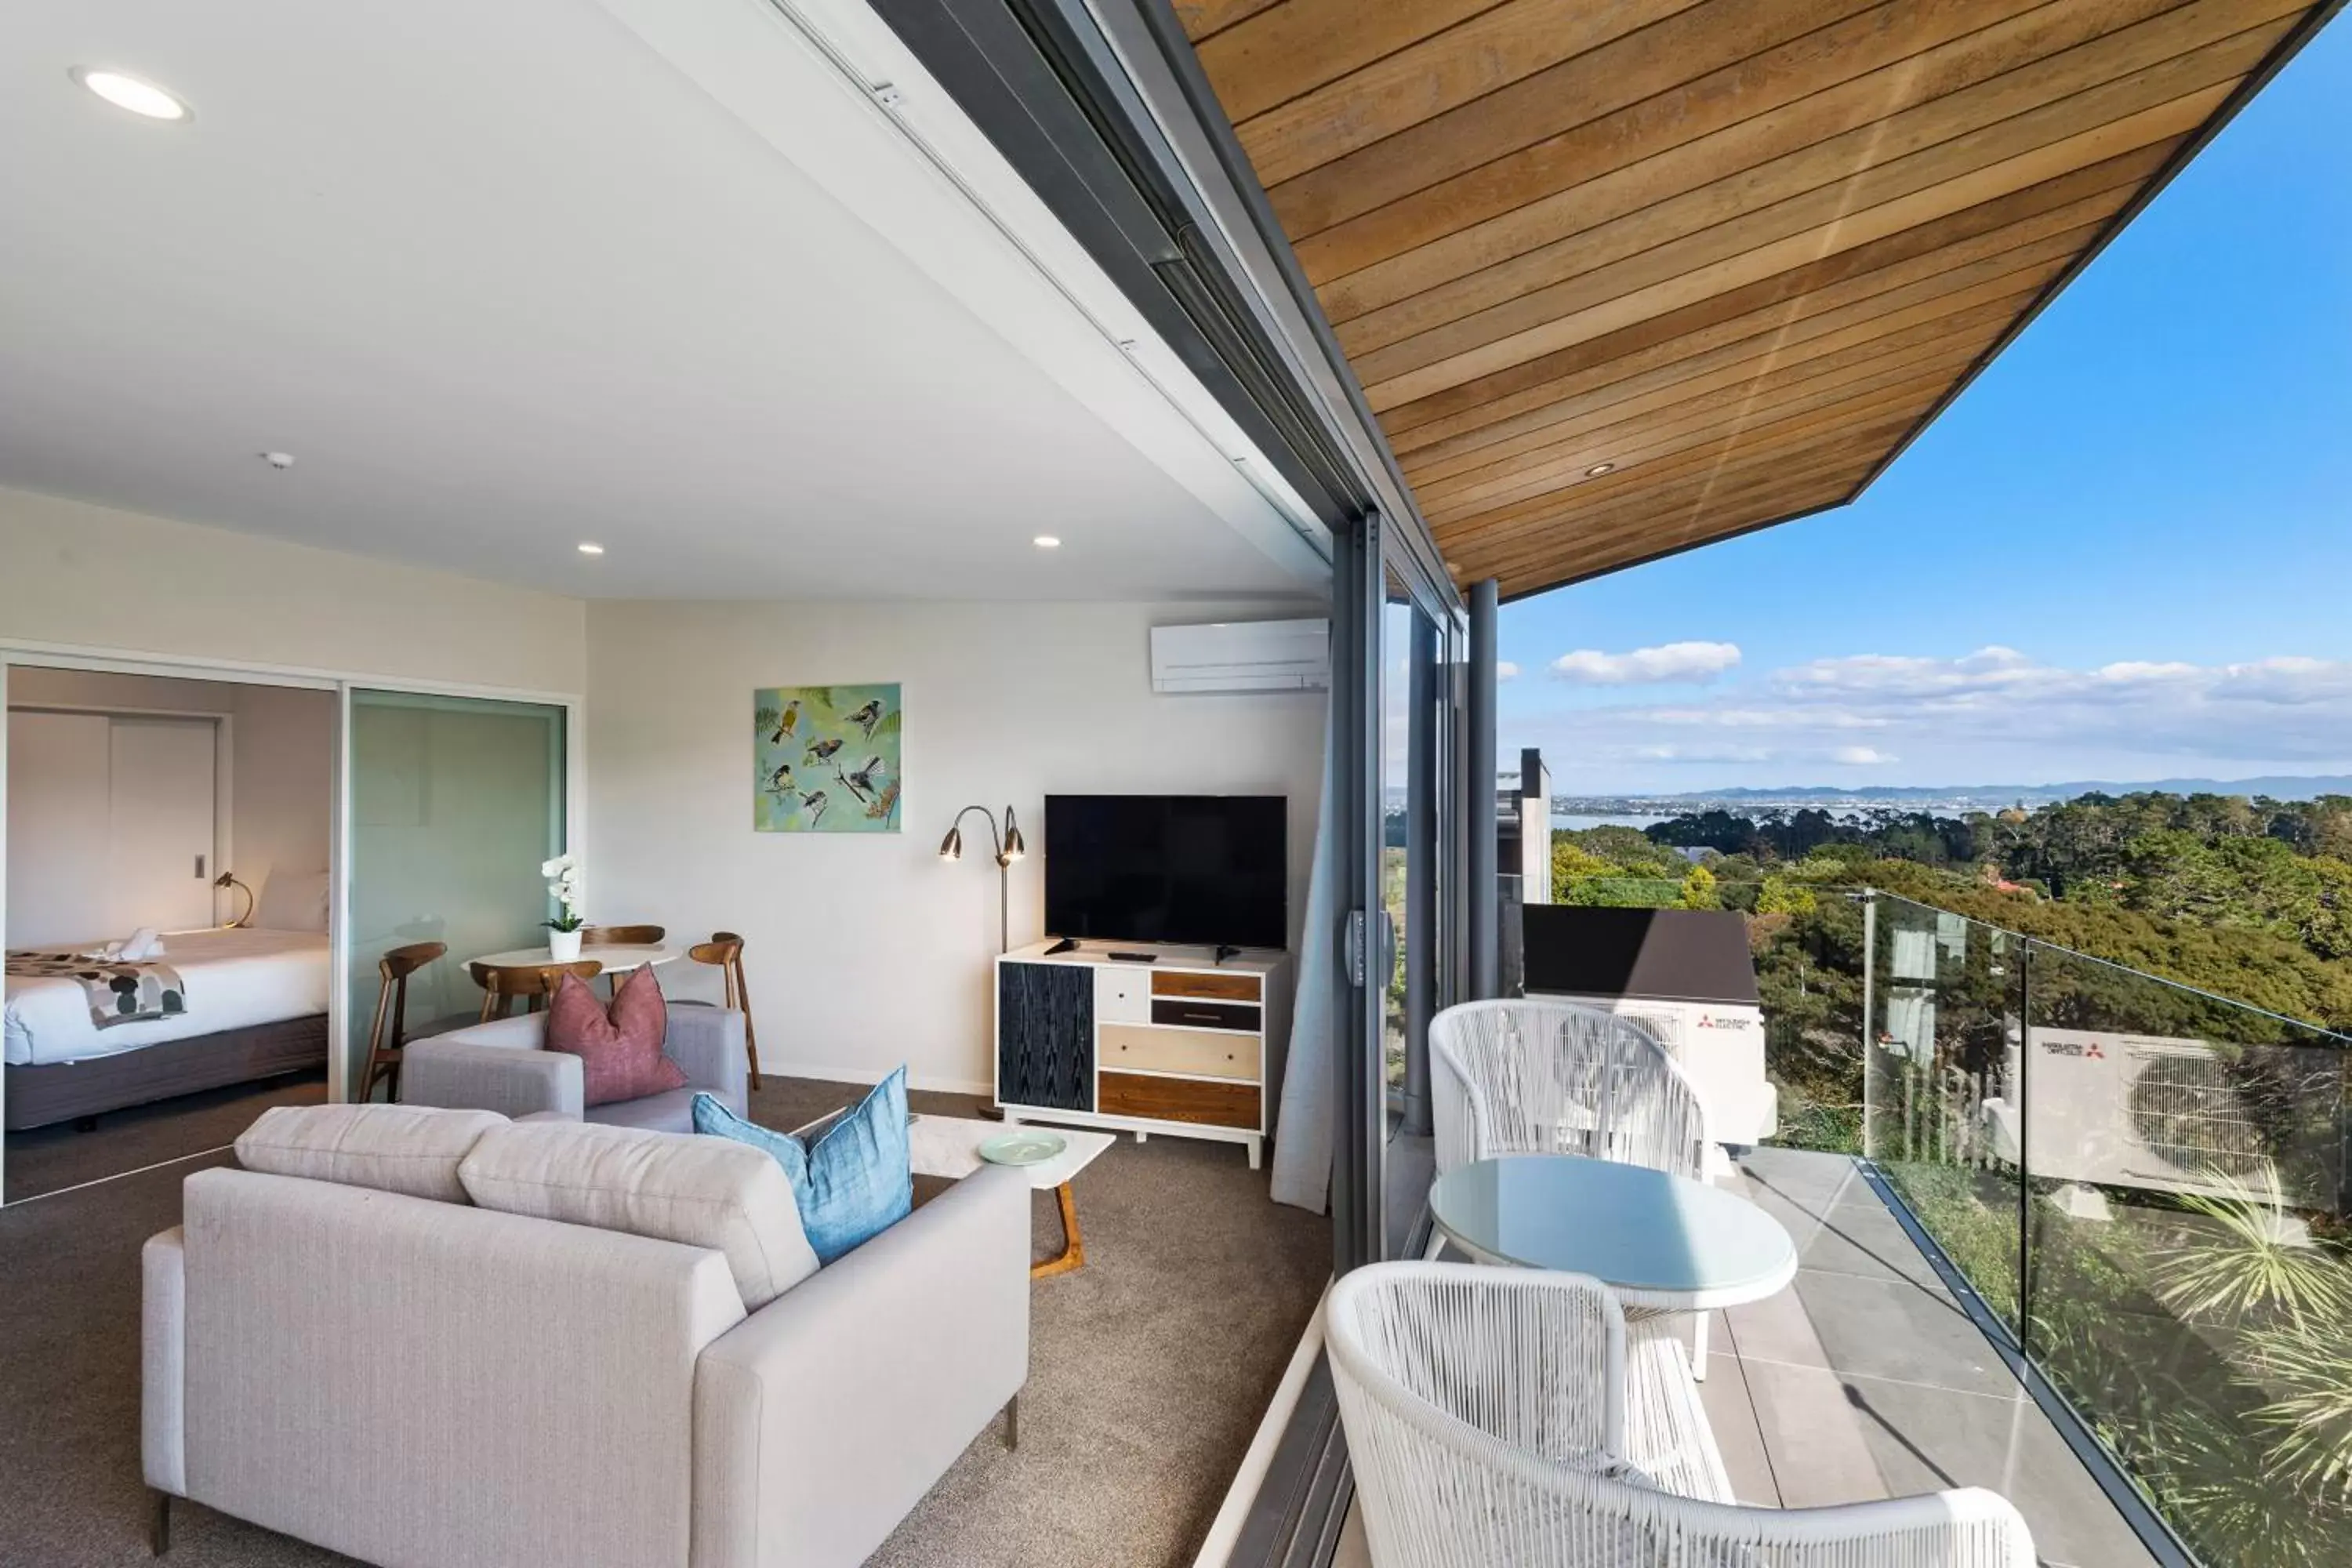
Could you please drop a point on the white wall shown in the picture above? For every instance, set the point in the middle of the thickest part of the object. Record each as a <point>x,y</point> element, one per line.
<point>282,759</point>
<point>864,950</point>
<point>91,577</point>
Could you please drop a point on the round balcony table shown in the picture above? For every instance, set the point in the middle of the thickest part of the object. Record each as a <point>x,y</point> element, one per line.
<point>1663,1243</point>
<point>618,958</point>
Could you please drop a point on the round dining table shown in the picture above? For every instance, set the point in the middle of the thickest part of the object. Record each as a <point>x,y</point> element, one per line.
<point>617,957</point>
<point>1663,1243</point>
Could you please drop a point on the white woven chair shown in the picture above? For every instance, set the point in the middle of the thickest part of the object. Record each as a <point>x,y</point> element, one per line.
<point>1522,1077</point>
<point>1525,1077</point>
<point>1483,1411</point>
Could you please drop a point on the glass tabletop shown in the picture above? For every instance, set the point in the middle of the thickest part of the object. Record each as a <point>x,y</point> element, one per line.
<point>1646,1233</point>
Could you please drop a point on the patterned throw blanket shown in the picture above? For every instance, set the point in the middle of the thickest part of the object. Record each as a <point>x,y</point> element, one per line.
<point>119,992</point>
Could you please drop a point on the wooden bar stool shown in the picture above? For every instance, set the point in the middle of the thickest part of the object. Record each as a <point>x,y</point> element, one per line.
<point>501,984</point>
<point>724,951</point>
<point>622,936</point>
<point>392,1005</point>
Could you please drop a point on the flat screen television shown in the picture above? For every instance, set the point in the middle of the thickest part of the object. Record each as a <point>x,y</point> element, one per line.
<point>1196,869</point>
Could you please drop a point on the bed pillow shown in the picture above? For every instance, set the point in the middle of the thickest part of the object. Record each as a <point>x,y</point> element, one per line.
<point>410,1149</point>
<point>292,900</point>
<point>853,1183</point>
<point>620,1047</point>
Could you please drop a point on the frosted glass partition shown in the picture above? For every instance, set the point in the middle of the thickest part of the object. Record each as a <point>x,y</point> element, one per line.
<point>455,803</point>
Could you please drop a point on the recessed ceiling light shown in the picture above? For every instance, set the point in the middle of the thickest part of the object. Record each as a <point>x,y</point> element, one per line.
<point>588,549</point>
<point>129,92</point>
<point>1598,469</point>
<point>281,461</point>
<point>1046,542</point>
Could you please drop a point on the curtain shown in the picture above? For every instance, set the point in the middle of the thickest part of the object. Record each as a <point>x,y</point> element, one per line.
<point>1302,1150</point>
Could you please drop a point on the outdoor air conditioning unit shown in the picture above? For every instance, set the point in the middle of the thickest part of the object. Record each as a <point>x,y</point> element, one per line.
<point>1687,978</point>
<point>2152,1111</point>
<point>1241,656</point>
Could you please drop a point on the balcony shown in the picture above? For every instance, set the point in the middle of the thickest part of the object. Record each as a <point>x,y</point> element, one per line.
<point>2132,1190</point>
<point>1867,1378</point>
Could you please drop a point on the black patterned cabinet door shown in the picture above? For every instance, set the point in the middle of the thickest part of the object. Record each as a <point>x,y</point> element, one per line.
<point>1045,1036</point>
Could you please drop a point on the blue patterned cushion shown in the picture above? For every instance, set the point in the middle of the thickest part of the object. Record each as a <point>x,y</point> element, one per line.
<point>856,1184</point>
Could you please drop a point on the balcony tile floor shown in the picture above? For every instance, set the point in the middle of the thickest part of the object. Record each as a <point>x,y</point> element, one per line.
<point>1866,1379</point>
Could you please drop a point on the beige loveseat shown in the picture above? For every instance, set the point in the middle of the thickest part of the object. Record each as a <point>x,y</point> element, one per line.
<point>428,1337</point>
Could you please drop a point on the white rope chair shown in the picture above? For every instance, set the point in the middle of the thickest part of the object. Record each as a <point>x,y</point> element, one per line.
<point>1521,1077</point>
<point>1483,1409</point>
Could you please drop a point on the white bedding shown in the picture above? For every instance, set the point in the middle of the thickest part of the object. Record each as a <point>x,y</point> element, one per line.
<point>234,980</point>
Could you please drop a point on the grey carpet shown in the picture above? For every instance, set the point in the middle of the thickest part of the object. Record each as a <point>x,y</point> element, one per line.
<point>50,1159</point>
<point>1149,1369</point>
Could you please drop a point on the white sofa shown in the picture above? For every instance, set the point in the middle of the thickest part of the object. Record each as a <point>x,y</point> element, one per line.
<point>426,1337</point>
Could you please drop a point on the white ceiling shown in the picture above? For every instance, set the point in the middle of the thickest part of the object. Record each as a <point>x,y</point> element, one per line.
<point>504,279</point>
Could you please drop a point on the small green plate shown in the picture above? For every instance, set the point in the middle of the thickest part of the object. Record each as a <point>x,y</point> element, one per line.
<point>1022,1148</point>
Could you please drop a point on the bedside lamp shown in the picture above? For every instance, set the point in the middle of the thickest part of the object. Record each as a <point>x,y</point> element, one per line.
<point>1009,847</point>
<point>228,880</point>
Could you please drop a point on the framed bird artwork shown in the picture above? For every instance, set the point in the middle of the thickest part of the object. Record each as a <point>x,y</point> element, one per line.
<point>825,758</point>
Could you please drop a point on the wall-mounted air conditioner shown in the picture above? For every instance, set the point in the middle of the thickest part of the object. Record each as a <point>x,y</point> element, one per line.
<point>1241,656</point>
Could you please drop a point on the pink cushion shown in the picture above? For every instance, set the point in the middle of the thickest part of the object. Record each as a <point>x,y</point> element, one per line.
<point>620,1048</point>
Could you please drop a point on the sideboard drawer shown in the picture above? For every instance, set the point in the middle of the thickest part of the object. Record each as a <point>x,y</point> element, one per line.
<point>1177,1050</point>
<point>1208,988</point>
<point>1122,995</point>
<point>1179,1099</point>
<point>1185,1012</point>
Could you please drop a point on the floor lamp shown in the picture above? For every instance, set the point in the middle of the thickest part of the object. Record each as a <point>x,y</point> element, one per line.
<point>1009,849</point>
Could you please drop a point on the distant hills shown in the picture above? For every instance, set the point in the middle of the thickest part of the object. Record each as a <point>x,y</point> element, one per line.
<point>2278,787</point>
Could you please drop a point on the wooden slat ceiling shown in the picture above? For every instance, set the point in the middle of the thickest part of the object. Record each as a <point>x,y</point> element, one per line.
<point>1619,277</point>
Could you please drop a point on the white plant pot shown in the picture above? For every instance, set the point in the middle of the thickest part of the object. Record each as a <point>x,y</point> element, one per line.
<point>563,946</point>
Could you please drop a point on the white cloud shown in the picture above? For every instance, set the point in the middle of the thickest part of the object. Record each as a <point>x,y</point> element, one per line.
<point>1506,671</point>
<point>1702,754</point>
<point>1995,715</point>
<point>1667,663</point>
<point>1760,718</point>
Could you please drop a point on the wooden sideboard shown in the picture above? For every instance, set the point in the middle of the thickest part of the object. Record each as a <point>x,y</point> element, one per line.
<point>1183,1045</point>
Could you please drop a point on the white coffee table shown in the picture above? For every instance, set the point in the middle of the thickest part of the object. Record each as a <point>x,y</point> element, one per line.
<point>948,1146</point>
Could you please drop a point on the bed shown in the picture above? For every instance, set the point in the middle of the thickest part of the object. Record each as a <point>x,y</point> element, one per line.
<point>256,1008</point>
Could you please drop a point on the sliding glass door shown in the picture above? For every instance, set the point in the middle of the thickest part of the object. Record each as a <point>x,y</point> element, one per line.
<point>455,804</point>
<point>1398,641</point>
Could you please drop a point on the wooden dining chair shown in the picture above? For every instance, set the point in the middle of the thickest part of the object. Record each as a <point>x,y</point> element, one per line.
<point>501,984</point>
<point>724,951</point>
<point>622,936</point>
<point>392,1010</point>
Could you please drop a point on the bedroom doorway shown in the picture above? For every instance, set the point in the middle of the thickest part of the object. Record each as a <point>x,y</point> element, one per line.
<point>169,839</point>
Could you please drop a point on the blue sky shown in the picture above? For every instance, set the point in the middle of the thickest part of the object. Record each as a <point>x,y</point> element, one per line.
<point>2124,553</point>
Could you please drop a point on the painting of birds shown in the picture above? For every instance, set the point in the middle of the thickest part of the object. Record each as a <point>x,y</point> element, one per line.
<point>803,735</point>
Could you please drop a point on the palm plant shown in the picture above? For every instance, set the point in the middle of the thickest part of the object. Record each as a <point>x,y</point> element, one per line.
<point>2253,1265</point>
<point>2308,1372</point>
<point>2201,1472</point>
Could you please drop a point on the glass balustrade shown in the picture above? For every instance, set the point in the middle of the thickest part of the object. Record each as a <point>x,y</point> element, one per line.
<point>2146,1184</point>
